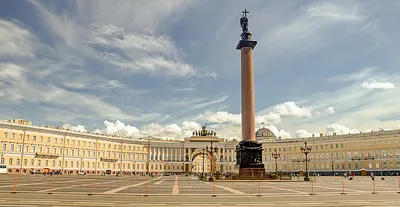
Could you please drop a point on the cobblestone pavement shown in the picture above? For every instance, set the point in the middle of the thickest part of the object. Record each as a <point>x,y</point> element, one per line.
<point>40,190</point>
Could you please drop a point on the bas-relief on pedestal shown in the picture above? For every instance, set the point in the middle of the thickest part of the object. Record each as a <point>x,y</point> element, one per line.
<point>249,151</point>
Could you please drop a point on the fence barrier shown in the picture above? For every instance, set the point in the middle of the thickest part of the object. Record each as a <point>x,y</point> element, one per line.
<point>259,189</point>
<point>374,188</point>
<point>312,188</point>
<point>213,190</point>
<point>343,193</point>
<point>399,186</point>
<point>51,186</point>
<point>90,187</point>
<point>146,189</point>
<point>15,186</point>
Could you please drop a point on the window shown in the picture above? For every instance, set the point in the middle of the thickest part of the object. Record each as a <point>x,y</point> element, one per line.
<point>27,137</point>
<point>13,136</point>
<point>40,149</point>
<point>48,140</point>
<point>39,163</point>
<point>33,148</point>
<point>55,140</point>
<point>26,148</point>
<point>47,150</point>
<point>79,143</point>
<point>46,163</point>
<point>4,146</point>
<point>12,147</point>
<point>34,138</point>
<point>10,161</point>
<point>5,135</point>
<point>41,139</point>
<point>32,162</point>
<point>25,162</point>
<point>19,136</point>
<point>19,148</point>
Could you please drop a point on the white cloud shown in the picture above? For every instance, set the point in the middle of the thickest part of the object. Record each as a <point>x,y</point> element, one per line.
<point>16,41</point>
<point>278,133</point>
<point>168,131</point>
<point>139,52</point>
<point>340,129</point>
<point>378,85</point>
<point>290,109</point>
<point>204,104</point>
<point>78,128</point>
<point>333,11</point>
<point>302,133</point>
<point>330,110</point>
<point>358,75</point>
<point>274,116</point>
<point>220,117</point>
<point>118,128</point>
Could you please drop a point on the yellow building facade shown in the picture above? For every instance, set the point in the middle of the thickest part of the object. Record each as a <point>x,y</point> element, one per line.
<point>26,148</point>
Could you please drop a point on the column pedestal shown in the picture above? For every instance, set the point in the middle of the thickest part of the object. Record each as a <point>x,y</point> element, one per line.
<point>249,160</point>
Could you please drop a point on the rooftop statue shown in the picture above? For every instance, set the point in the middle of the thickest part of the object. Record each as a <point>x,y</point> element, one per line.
<point>244,22</point>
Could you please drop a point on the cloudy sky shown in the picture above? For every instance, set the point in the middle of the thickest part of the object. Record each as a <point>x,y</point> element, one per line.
<point>163,68</point>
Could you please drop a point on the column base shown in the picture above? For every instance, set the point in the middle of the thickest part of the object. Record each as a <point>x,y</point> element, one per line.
<point>249,160</point>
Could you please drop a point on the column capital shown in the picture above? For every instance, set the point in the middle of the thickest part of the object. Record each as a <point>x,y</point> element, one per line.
<point>246,43</point>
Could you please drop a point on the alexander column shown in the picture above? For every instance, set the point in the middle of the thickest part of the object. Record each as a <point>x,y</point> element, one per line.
<point>249,151</point>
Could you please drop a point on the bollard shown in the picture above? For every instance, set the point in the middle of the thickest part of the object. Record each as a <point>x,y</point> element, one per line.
<point>15,186</point>
<point>259,189</point>
<point>146,189</point>
<point>51,186</point>
<point>343,193</point>
<point>373,185</point>
<point>90,188</point>
<point>213,190</point>
<point>312,188</point>
<point>399,186</point>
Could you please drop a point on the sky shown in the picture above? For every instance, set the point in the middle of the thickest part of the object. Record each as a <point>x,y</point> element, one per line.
<point>163,68</point>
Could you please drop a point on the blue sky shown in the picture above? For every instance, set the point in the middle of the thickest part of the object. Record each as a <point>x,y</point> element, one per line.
<point>163,68</point>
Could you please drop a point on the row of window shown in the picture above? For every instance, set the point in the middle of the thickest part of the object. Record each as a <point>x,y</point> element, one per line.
<point>354,145</point>
<point>336,165</point>
<point>341,155</point>
<point>91,165</point>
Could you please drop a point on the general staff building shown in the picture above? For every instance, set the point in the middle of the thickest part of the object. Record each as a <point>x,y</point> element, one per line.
<point>26,148</point>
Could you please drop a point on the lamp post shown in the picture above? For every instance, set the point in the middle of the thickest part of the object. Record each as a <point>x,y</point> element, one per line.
<point>210,150</point>
<point>148,158</point>
<point>203,162</point>
<point>80,170</point>
<point>306,150</point>
<point>276,155</point>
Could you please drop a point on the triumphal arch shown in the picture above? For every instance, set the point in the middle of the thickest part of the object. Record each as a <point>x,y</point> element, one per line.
<point>206,153</point>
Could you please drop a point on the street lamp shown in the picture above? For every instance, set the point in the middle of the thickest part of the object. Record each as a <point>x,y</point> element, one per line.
<point>203,161</point>
<point>306,150</point>
<point>148,158</point>
<point>276,155</point>
<point>210,150</point>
